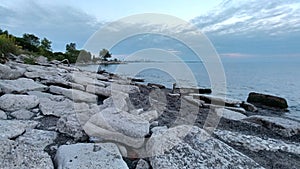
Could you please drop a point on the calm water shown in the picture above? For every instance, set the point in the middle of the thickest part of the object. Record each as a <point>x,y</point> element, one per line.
<point>276,77</point>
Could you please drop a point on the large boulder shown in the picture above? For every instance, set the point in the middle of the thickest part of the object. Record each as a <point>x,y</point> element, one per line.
<point>267,100</point>
<point>281,126</point>
<point>89,156</point>
<point>196,149</point>
<point>229,114</point>
<point>21,85</point>
<point>11,102</point>
<point>122,122</point>
<point>7,73</point>
<point>75,95</point>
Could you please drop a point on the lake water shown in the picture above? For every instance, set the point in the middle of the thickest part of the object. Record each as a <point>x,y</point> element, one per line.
<point>279,77</point>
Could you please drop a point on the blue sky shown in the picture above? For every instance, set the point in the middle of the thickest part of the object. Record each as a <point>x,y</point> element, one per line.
<point>238,28</point>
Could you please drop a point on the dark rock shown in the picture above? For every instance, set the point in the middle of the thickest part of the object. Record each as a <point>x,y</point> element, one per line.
<point>267,100</point>
<point>156,85</point>
<point>248,107</point>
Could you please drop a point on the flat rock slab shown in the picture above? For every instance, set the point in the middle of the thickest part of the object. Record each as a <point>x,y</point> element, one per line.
<point>210,99</point>
<point>7,73</point>
<point>257,144</point>
<point>281,126</point>
<point>267,100</point>
<point>12,102</point>
<point>89,156</point>
<point>120,121</point>
<point>196,150</point>
<point>21,85</point>
<point>229,114</point>
<point>13,128</point>
<point>75,95</point>
<point>38,139</point>
<point>22,114</point>
<point>15,155</point>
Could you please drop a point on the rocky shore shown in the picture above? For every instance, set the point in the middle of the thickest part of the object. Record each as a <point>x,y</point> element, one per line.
<point>58,116</point>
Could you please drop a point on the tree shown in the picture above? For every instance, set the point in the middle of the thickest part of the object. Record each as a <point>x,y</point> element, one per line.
<point>31,39</point>
<point>104,54</point>
<point>71,52</point>
<point>46,44</point>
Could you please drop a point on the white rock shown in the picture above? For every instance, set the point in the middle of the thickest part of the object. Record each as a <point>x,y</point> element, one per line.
<point>257,144</point>
<point>89,156</point>
<point>75,95</point>
<point>22,114</point>
<point>47,95</point>
<point>85,80</point>
<point>284,127</point>
<point>120,121</point>
<point>11,102</point>
<point>16,155</point>
<point>142,164</point>
<point>197,150</point>
<point>123,88</point>
<point>3,115</point>
<point>97,132</point>
<point>21,85</point>
<point>60,108</point>
<point>38,139</point>
<point>98,90</point>
<point>12,128</point>
<point>230,115</point>
<point>149,115</point>
<point>216,100</point>
<point>7,73</point>
<point>69,125</point>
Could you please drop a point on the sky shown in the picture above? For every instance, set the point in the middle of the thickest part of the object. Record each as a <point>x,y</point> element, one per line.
<point>64,21</point>
<point>237,28</point>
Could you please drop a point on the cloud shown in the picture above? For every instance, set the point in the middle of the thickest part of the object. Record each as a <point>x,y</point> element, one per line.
<point>59,23</point>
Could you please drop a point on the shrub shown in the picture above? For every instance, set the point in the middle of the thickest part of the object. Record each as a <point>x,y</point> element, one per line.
<point>30,60</point>
<point>7,45</point>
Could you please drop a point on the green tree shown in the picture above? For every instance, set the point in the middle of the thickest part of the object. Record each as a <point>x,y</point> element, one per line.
<point>71,52</point>
<point>46,44</point>
<point>31,39</point>
<point>104,54</point>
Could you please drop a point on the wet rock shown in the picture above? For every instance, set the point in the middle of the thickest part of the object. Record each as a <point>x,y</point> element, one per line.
<point>281,126</point>
<point>142,164</point>
<point>22,114</point>
<point>230,115</point>
<point>184,90</point>
<point>89,156</point>
<point>15,155</point>
<point>75,95</point>
<point>248,106</point>
<point>38,139</point>
<point>3,115</point>
<point>11,102</point>
<point>10,129</point>
<point>21,85</point>
<point>267,100</point>
<point>7,73</point>
<point>69,125</point>
<point>194,148</point>
<point>255,143</point>
<point>159,86</point>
